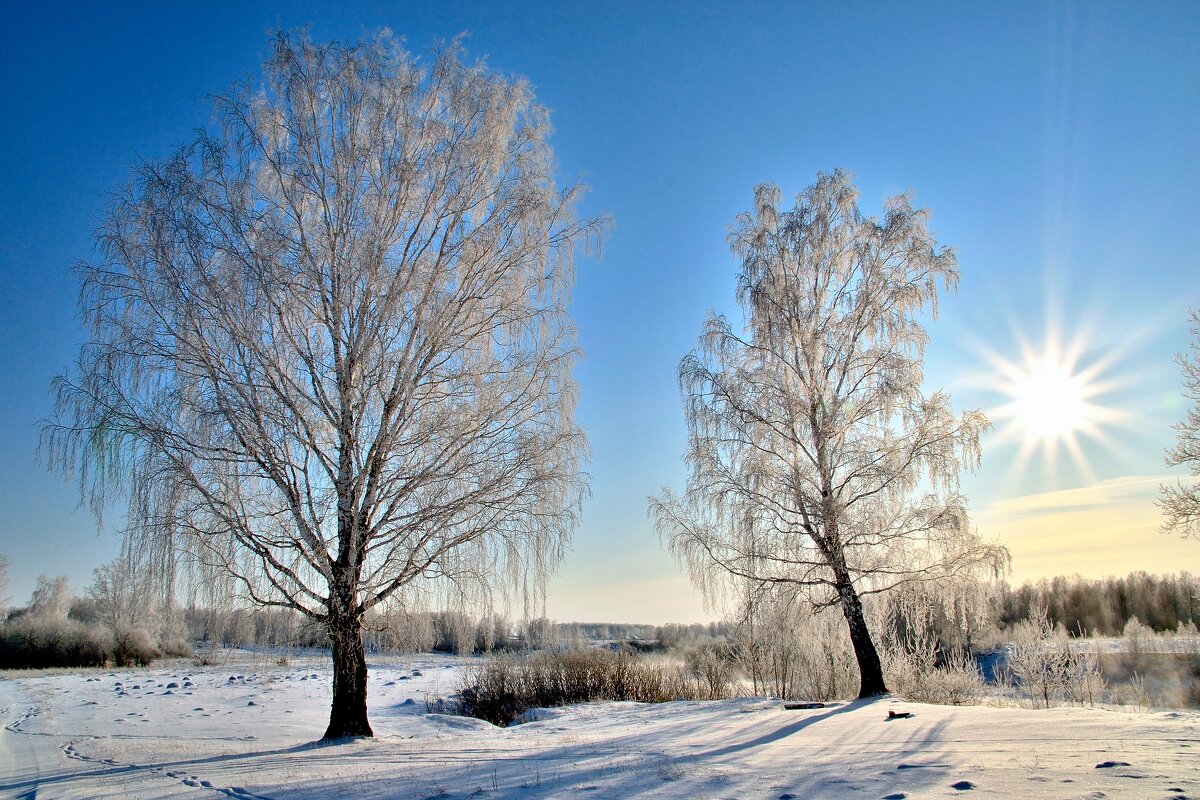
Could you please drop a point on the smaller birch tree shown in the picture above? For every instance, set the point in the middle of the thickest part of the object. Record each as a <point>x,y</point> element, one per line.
<point>1181,503</point>
<point>818,466</point>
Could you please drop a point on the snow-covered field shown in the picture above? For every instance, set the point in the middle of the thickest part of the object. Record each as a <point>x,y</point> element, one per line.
<point>247,731</point>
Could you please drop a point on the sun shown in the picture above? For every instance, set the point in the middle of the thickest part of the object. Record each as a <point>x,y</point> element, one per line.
<point>1052,400</point>
<point>1049,401</point>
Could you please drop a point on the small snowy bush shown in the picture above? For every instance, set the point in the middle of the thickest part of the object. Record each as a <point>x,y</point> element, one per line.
<point>792,652</point>
<point>917,664</point>
<point>714,666</point>
<point>1047,666</point>
<point>503,687</point>
<point>133,647</point>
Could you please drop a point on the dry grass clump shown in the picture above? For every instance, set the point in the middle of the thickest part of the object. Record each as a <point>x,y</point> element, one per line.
<point>504,687</point>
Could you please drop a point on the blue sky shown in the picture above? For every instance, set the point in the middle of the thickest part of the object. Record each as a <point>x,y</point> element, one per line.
<point>1054,143</point>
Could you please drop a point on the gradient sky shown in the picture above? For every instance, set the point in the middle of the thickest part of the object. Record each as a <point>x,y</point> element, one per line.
<point>1054,143</point>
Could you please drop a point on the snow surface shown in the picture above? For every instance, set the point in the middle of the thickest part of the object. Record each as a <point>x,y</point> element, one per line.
<point>247,731</point>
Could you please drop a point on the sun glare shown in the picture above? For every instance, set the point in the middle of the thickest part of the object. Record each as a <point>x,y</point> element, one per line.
<point>1049,400</point>
<point>1052,400</point>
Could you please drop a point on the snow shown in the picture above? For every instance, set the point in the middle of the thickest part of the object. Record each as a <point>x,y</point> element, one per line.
<point>247,732</point>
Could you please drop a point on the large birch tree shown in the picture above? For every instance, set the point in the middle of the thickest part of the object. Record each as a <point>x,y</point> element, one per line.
<point>817,464</point>
<point>329,348</point>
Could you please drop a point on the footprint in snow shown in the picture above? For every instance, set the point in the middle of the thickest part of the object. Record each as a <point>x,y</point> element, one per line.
<point>963,786</point>
<point>1111,764</point>
<point>895,796</point>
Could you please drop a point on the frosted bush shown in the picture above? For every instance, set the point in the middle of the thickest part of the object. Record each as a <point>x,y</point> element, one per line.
<point>504,687</point>
<point>1137,641</point>
<point>133,647</point>
<point>791,651</point>
<point>1048,666</point>
<point>713,665</point>
<point>916,664</point>
<point>36,640</point>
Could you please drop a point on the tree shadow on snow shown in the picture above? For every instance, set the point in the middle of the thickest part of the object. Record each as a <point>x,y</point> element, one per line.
<point>787,730</point>
<point>631,761</point>
<point>31,785</point>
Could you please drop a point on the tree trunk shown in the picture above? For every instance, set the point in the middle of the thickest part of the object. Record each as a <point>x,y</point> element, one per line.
<point>348,713</point>
<point>870,670</point>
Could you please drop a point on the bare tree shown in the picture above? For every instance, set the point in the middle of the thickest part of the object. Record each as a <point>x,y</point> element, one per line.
<point>1180,503</point>
<point>51,598</point>
<point>329,344</point>
<point>817,465</point>
<point>121,593</point>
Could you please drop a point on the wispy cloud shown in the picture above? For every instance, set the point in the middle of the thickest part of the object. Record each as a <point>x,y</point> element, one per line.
<point>1130,489</point>
<point>1105,528</point>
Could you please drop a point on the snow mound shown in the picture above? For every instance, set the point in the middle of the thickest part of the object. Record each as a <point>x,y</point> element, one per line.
<point>454,723</point>
<point>539,715</point>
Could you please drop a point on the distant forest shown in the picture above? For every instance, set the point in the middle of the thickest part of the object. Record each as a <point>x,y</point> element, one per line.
<point>1102,606</point>
<point>1083,607</point>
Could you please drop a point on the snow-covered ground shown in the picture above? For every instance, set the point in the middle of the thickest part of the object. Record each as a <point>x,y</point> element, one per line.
<point>247,731</point>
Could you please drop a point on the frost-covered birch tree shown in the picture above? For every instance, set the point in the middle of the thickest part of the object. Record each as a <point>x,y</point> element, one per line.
<point>329,349</point>
<point>1181,503</point>
<point>817,463</point>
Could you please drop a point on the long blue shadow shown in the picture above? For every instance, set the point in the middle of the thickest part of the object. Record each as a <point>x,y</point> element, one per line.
<point>787,730</point>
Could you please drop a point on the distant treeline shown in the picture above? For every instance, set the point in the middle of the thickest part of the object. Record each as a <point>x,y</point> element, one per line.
<point>435,631</point>
<point>1102,606</point>
<point>114,622</point>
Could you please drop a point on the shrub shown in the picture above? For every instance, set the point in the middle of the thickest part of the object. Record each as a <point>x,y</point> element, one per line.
<point>932,677</point>
<point>794,652</point>
<point>1048,667</point>
<point>38,641</point>
<point>917,665</point>
<point>503,687</point>
<point>176,647</point>
<point>1039,659</point>
<point>133,647</point>
<point>713,665</point>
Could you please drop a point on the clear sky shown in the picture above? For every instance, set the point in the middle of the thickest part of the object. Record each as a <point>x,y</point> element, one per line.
<point>1054,143</point>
